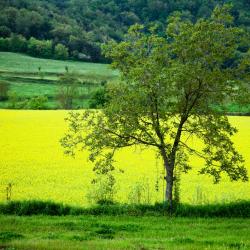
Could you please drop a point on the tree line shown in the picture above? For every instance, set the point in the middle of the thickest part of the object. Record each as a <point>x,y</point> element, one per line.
<point>82,26</point>
<point>34,47</point>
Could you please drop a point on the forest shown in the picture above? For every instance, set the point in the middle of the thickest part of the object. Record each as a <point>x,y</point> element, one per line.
<point>76,29</point>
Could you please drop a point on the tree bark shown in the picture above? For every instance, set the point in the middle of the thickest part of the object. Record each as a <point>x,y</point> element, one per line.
<point>169,180</point>
<point>169,188</point>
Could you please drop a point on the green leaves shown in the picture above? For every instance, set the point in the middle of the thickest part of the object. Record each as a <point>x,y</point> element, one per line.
<point>167,93</point>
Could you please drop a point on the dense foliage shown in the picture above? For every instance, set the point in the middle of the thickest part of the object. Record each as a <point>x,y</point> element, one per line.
<point>81,26</point>
<point>167,97</point>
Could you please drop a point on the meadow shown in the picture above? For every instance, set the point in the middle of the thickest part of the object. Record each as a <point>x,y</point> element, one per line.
<point>33,161</point>
<point>31,77</point>
<point>105,232</point>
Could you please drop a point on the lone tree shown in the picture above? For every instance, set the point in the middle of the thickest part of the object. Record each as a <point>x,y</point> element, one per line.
<point>170,91</point>
<point>67,90</point>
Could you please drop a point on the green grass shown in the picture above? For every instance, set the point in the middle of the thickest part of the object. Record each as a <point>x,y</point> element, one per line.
<point>122,232</point>
<point>22,73</point>
<point>12,62</point>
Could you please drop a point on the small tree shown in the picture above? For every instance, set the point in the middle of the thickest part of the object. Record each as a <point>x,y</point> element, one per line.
<point>169,89</point>
<point>4,89</point>
<point>39,48</point>
<point>17,43</point>
<point>4,44</point>
<point>61,52</point>
<point>98,98</point>
<point>67,90</point>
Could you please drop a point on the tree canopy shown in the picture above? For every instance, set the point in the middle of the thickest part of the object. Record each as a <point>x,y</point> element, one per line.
<point>169,85</point>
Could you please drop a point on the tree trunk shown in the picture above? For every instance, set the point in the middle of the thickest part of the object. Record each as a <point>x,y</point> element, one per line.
<point>169,180</point>
<point>169,188</point>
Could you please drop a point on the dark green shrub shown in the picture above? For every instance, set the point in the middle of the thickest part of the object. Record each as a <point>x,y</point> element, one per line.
<point>98,98</point>
<point>4,31</point>
<point>4,44</point>
<point>18,43</point>
<point>105,202</point>
<point>105,232</point>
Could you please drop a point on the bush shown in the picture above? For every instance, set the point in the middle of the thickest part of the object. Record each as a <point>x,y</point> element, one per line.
<point>4,31</point>
<point>68,89</point>
<point>139,193</point>
<point>40,48</point>
<point>61,52</point>
<point>38,102</point>
<point>4,44</point>
<point>98,98</point>
<point>34,103</point>
<point>17,43</point>
<point>102,190</point>
<point>28,208</point>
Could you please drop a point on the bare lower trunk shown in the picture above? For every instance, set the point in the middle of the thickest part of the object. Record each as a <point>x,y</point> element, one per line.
<point>169,181</point>
<point>169,188</point>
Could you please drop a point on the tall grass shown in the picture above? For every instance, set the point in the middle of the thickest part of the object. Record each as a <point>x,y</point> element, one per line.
<point>239,209</point>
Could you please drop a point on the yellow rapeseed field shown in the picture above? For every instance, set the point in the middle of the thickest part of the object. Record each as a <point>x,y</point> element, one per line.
<point>32,160</point>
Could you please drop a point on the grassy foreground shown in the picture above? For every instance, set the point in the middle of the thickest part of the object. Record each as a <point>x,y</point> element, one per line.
<point>122,232</point>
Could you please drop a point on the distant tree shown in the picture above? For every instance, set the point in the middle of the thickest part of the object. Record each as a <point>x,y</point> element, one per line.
<point>67,90</point>
<point>167,96</point>
<point>61,52</point>
<point>8,17</point>
<point>4,44</point>
<point>40,48</point>
<point>29,23</point>
<point>38,102</point>
<point>5,31</point>
<point>98,98</point>
<point>18,43</point>
<point>4,89</point>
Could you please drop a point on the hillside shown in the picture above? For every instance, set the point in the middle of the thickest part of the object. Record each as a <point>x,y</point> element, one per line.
<point>29,78</point>
<point>79,27</point>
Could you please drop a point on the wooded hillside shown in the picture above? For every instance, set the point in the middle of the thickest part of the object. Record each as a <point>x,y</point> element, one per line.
<point>77,28</point>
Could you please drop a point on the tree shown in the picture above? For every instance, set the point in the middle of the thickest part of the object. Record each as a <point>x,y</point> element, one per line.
<point>17,43</point>
<point>40,48</point>
<point>98,98</point>
<point>4,44</point>
<point>4,89</point>
<point>68,90</point>
<point>5,31</point>
<point>168,93</point>
<point>61,52</point>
